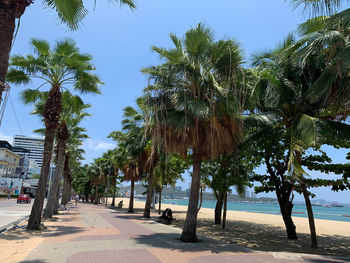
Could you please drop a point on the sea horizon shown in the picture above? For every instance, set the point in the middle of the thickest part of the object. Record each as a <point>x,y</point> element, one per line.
<point>299,210</point>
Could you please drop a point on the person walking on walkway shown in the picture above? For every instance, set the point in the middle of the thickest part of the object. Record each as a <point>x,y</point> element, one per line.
<point>76,199</point>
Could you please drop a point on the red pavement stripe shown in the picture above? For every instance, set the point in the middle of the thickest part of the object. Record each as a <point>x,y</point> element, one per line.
<point>115,256</point>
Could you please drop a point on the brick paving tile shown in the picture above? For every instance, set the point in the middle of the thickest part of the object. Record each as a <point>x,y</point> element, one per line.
<point>115,256</point>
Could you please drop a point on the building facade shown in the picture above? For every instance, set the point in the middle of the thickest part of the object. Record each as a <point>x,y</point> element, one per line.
<point>34,145</point>
<point>9,161</point>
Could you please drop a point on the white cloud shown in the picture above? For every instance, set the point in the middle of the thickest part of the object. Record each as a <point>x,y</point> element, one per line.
<point>6,138</point>
<point>99,145</point>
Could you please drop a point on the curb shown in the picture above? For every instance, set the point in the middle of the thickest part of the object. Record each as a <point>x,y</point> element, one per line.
<point>11,225</point>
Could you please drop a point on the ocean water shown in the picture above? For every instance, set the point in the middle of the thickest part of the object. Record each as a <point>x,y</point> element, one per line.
<point>332,213</point>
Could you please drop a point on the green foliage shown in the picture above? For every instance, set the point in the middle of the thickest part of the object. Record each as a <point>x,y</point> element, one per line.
<point>227,171</point>
<point>196,94</point>
<point>61,66</point>
<point>73,12</point>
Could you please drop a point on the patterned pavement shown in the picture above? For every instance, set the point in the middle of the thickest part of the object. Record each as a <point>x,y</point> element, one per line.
<point>89,233</point>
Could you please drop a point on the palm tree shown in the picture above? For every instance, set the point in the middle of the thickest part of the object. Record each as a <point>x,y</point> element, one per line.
<point>69,12</point>
<point>317,7</point>
<point>67,128</point>
<point>329,42</point>
<point>133,159</point>
<point>282,92</point>
<point>96,179</point>
<point>73,152</point>
<point>139,146</point>
<point>194,99</point>
<point>131,173</point>
<point>72,114</point>
<point>118,161</point>
<point>109,160</point>
<point>72,159</point>
<point>61,67</point>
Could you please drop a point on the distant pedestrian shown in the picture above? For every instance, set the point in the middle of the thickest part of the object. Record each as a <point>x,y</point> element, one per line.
<point>76,199</point>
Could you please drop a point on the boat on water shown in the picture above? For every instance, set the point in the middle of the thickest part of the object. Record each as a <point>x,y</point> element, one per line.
<point>337,205</point>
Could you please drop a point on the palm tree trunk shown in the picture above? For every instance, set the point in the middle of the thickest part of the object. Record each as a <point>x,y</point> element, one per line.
<point>7,28</point>
<point>9,11</point>
<point>160,201</point>
<point>153,198</point>
<point>310,215</point>
<point>57,200</point>
<point>96,199</point>
<point>35,215</point>
<point>69,192</point>
<point>107,188</point>
<point>218,209</point>
<point>225,211</point>
<point>52,198</point>
<point>65,192</point>
<point>200,198</point>
<point>147,211</point>
<point>190,226</point>
<point>131,202</point>
<point>114,189</point>
<point>51,114</point>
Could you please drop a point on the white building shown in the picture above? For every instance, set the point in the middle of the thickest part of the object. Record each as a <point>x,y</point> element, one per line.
<point>33,144</point>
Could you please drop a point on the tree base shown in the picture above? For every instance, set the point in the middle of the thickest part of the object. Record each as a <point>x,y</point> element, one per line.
<point>292,237</point>
<point>189,238</point>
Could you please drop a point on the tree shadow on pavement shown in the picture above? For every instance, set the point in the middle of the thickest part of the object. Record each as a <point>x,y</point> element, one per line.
<point>172,241</point>
<point>265,237</point>
<point>54,230</point>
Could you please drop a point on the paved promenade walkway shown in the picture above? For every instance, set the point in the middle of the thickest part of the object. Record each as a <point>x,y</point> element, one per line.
<point>89,233</point>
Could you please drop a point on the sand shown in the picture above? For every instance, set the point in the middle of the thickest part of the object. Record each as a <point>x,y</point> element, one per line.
<point>263,231</point>
<point>16,244</point>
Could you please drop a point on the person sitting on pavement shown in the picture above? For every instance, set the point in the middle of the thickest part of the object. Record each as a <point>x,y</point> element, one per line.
<point>167,216</point>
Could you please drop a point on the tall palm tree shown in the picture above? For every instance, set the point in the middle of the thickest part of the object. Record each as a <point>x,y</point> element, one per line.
<point>67,128</point>
<point>72,114</point>
<point>134,123</point>
<point>330,42</point>
<point>133,158</point>
<point>194,99</point>
<point>118,161</point>
<point>69,12</point>
<point>61,67</point>
<point>74,153</point>
<point>96,179</point>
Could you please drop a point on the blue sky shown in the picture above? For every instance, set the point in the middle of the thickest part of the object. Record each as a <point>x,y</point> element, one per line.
<point>120,42</point>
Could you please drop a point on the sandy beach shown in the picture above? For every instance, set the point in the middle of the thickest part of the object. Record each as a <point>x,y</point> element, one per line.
<point>263,231</point>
